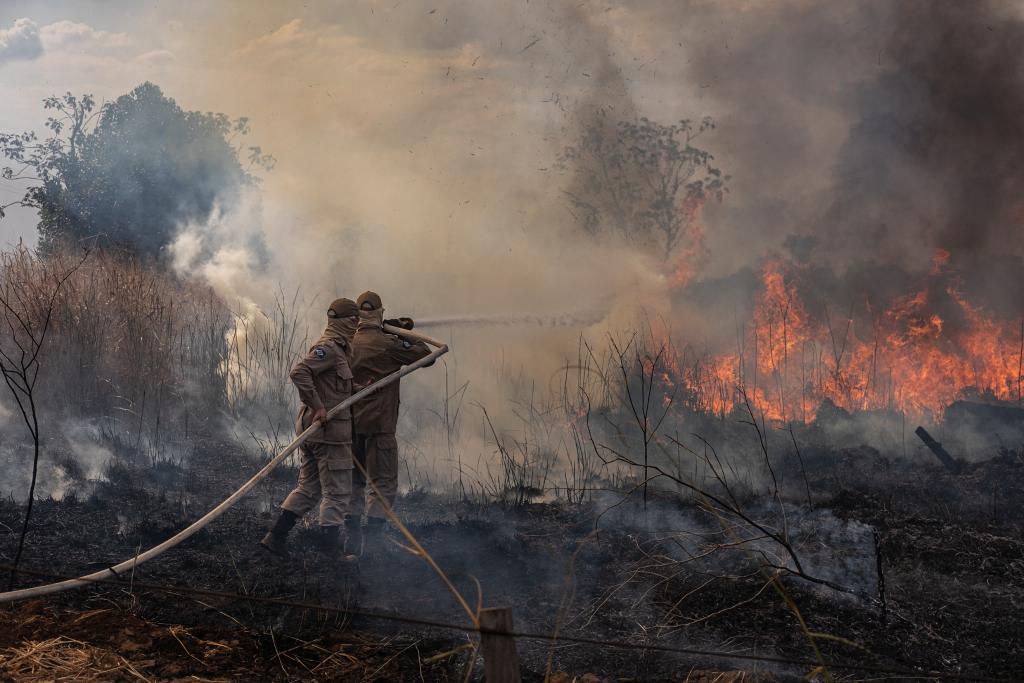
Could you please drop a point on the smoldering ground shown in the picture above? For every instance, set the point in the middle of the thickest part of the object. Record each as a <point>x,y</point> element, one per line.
<point>663,576</point>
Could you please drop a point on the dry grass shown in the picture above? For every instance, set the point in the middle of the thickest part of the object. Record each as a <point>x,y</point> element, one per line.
<point>66,659</point>
<point>149,357</point>
<point>695,676</point>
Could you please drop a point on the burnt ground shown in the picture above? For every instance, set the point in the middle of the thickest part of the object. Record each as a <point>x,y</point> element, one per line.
<point>947,548</point>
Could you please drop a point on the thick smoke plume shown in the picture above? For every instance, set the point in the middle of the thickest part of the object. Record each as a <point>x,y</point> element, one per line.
<point>883,131</point>
<point>935,159</point>
<point>416,171</point>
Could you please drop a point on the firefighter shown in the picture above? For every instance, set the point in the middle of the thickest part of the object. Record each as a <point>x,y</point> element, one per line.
<point>376,354</point>
<point>323,379</point>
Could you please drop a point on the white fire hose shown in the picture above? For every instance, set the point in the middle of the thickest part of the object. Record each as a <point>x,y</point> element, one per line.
<point>187,532</point>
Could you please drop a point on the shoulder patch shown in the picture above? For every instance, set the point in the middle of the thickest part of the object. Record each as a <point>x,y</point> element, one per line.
<point>406,345</point>
<point>319,352</point>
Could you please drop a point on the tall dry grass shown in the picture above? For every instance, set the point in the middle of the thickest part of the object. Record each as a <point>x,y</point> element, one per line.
<point>151,358</point>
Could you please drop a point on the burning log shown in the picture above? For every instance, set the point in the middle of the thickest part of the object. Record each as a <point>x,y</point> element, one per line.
<point>935,447</point>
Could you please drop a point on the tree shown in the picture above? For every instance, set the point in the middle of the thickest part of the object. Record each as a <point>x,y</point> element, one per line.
<point>131,172</point>
<point>641,179</point>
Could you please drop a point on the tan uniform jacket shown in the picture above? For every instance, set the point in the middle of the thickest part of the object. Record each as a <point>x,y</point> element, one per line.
<point>324,379</point>
<point>376,354</point>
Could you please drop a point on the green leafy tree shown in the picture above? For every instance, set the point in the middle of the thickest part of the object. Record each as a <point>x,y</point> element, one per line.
<point>642,180</point>
<point>130,172</point>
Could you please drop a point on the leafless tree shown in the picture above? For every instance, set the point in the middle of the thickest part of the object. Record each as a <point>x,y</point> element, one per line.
<point>641,376</point>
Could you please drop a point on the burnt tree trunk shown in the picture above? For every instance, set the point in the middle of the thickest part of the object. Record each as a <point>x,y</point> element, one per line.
<point>935,447</point>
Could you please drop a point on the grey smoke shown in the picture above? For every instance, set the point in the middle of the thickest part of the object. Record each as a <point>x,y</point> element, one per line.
<point>880,130</point>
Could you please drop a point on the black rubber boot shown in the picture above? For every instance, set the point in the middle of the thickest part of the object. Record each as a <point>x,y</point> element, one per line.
<point>373,537</point>
<point>276,540</point>
<point>354,535</point>
<point>332,543</point>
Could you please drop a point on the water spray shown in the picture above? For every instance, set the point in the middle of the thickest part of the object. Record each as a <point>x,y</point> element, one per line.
<point>567,319</point>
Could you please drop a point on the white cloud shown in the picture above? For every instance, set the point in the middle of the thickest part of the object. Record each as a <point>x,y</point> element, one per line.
<point>77,36</point>
<point>294,40</point>
<point>157,57</point>
<point>287,35</point>
<point>20,41</point>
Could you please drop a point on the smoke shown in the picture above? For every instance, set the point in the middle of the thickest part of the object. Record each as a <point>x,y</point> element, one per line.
<point>882,131</point>
<point>70,462</point>
<point>935,143</point>
<point>227,253</point>
<point>89,456</point>
<point>418,161</point>
<point>427,153</point>
<point>938,148</point>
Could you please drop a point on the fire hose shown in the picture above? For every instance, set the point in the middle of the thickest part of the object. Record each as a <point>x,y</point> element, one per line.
<point>189,531</point>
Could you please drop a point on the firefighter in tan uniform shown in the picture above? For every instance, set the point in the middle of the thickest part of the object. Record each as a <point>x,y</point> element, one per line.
<point>324,379</point>
<point>376,354</point>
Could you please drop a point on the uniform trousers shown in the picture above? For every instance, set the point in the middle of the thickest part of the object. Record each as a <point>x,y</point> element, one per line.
<point>378,454</point>
<point>325,475</point>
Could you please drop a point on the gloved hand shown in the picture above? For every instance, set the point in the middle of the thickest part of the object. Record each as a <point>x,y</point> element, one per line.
<point>404,323</point>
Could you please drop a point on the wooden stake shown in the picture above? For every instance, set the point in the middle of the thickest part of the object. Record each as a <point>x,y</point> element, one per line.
<point>501,661</point>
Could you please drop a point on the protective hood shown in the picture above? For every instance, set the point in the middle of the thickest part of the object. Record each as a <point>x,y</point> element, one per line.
<point>370,319</point>
<point>341,328</point>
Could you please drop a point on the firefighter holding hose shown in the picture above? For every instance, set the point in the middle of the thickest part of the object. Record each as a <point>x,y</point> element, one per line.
<point>376,354</point>
<point>324,379</point>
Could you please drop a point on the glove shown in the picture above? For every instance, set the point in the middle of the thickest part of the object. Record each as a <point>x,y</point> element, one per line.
<point>404,323</point>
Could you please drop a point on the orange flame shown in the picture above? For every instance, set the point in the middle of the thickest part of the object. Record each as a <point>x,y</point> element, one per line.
<point>909,358</point>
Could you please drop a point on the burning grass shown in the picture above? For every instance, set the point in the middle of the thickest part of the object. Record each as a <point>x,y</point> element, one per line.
<point>914,354</point>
